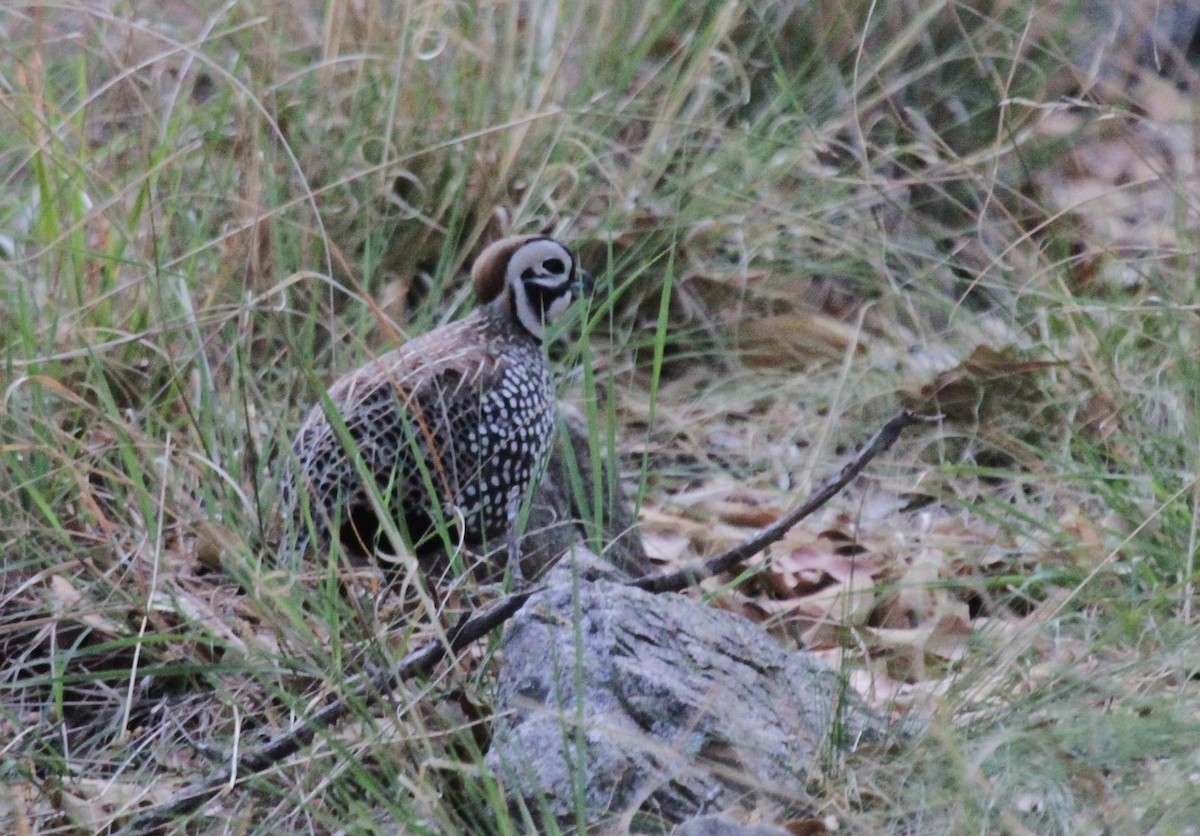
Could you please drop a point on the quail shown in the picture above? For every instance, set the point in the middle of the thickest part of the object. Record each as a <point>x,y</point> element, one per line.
<point>452,427</point>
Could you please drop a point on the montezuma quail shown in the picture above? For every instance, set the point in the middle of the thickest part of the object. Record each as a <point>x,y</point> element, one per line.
<point>453,425</point>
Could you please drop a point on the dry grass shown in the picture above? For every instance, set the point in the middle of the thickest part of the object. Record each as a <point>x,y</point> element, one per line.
<point>805,218</point>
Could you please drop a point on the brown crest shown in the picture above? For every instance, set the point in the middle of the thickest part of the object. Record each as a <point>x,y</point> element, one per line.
<point>487,274</point>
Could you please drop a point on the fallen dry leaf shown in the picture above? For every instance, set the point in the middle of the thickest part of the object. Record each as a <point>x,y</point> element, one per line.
<point>94,804</point>
<point>1099,418</point>
<point>824,615</point>
<point>734,504</point>
<point>913,601</point>
<point>665,547</point>
<point>1121,186</point>
<point>972,390</point>
<point>911,649</point>
<point>214,541</point>
<point>807,827</point>
<point>1087,549</point>
<point>802,568</point>
<point>69,600</point>
<point>18,801</point>
<point>198,609</point>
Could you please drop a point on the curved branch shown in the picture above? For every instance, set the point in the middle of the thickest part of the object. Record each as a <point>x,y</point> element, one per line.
<point>688,576</point>
<point>419,662</point>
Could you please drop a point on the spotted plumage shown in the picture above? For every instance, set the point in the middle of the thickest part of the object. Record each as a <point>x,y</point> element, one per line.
<point>453,425</point>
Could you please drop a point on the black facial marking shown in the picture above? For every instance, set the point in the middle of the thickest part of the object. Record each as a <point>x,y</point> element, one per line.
<point>554,266</point>
<point>541,297</point>
<point>528,273</point>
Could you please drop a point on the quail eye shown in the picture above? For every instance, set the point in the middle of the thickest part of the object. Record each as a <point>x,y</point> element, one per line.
<point>528,273</point>
<point>554,265</point>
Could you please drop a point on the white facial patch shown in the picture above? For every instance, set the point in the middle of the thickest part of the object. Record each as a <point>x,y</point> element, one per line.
<point>559,306</point>
<point>541,276</point>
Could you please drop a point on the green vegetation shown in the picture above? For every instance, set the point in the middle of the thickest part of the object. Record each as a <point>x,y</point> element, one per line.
<point>805,215</point>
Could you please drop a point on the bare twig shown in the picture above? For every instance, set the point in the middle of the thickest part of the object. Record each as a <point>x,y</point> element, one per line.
<point>681,579</point>
<point>418,663</point>
<point>421,662</point>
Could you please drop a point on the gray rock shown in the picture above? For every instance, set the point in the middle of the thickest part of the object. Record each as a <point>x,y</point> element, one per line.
<point>647,710</point>
<point>720,826</point>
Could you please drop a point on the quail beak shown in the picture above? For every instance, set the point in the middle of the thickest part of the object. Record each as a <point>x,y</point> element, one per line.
<point>584,284</point>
